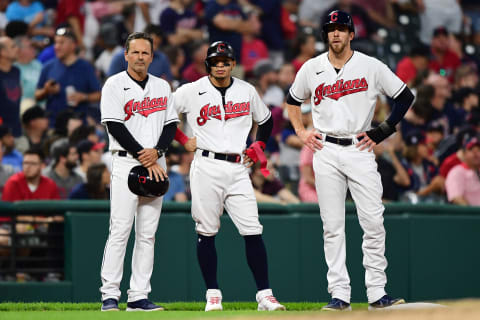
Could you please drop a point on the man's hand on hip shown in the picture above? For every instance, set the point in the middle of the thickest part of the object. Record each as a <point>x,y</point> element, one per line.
<point>311,138</point>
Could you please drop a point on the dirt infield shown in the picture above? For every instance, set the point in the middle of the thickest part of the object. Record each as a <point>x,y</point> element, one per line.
<point>461,310</point>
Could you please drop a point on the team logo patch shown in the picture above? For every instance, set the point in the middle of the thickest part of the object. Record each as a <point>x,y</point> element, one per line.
<point>145,107</point>
<point>339,89</point>
<point>232,110</point>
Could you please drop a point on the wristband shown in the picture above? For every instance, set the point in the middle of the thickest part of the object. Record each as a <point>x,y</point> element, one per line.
<point>181,137</point>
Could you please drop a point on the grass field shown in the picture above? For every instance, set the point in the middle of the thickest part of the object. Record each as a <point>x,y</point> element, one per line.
<point>176,310</point>
<point>464,310</point>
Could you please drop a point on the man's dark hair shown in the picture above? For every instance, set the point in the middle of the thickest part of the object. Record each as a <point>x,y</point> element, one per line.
<point>81,133</point>
<point>61,150</point>
<point>422,106</point>
<point>154,29</point>
<point>35,151</point>
<point>420,51</point>
<point>138,35</point>
<point>16,28</point>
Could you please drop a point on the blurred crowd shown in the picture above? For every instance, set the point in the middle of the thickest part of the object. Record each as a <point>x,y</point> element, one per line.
<point>55,55</point>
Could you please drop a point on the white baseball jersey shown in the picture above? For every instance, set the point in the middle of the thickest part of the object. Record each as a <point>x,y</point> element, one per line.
<point>123,100</point>
<point>343,103</point>
<point>217,128</point>
<point>144,112</point>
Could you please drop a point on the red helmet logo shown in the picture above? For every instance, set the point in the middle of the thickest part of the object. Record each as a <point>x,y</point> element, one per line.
<point>142,179</point>
<point>221,47</point>
<point>334,16</point>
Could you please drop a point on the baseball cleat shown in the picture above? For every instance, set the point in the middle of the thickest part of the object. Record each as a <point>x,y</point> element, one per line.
<point>143,305</point>
<point>267,302</point>
<point>385,301</point>
<point>337,305</point>
<point>110,305</point>
<point>214,300</point>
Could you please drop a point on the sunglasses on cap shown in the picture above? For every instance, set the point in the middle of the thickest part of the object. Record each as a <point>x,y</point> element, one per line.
<point>65,32</point>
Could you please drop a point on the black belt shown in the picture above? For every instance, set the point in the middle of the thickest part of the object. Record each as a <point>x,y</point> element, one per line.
<point>340,141</point>
<point>233,157</point>
<point>122,153</point>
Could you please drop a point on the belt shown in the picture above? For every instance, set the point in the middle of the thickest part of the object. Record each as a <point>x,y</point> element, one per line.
<point>232,157</point>
<point>123,153</point>
<point>340,141</point>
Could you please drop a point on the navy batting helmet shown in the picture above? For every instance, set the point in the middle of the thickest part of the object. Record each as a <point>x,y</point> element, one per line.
<point>218,49</point>
<point>337,17</point>
<point>139,182</point>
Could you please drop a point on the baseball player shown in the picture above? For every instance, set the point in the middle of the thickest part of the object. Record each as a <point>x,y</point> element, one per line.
<point>137,110</point>
<point>220,110</point>
<point>343,86</point>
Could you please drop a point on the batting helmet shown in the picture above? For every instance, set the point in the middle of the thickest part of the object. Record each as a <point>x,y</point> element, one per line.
<point>139,182</point>
<point>218,49</point>
<point>337,17</point>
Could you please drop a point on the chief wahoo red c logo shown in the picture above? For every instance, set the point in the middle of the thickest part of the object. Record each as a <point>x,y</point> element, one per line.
<point>334,16</point>
<point>221,47</point>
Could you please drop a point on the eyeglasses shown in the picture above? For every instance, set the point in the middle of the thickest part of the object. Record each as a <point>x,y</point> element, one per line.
<point>30,163</point>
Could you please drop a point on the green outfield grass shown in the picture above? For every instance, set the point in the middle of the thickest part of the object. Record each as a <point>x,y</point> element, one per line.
<point>174,310</point>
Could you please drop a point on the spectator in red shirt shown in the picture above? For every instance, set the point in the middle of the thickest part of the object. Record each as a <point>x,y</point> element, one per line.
<point>304,48</point>
<point>457,157</point>
<point>253,49</point>
<point>30,184</point>
<point>410,66</point>
<point>463,181</point>
<point>444,61</point>
<point>72,12</point>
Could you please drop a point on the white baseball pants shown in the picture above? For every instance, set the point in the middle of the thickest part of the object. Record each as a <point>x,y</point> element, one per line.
<point>337,168</point>
<point>125,208</point>
<point>216,184</point>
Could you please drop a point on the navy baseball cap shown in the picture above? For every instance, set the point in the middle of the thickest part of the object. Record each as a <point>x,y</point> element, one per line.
<point>471,142</point>
<point>435,127</point>
<point>414,137</point>
<point>86,146</point>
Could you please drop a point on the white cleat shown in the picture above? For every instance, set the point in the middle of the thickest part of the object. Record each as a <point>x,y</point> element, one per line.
<point>214,300</point>
<point>267,302</point>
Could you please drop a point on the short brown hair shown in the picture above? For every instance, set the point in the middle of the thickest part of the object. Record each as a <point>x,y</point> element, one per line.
<point>138,35</point>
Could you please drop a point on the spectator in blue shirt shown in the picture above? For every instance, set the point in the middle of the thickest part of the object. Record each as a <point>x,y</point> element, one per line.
<point>68,72</point>
<point>11,156</point>
<point>30,12</point>
<point>227,22</point>
<point>176,190</point>
<point>10,87</point>
<point>180,24</point>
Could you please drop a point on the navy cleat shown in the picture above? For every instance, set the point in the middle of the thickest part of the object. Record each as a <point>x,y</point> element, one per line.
<point>384,302</point>
<point>143,305</point>
<point>337,305</point>
<point>110,305</point>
